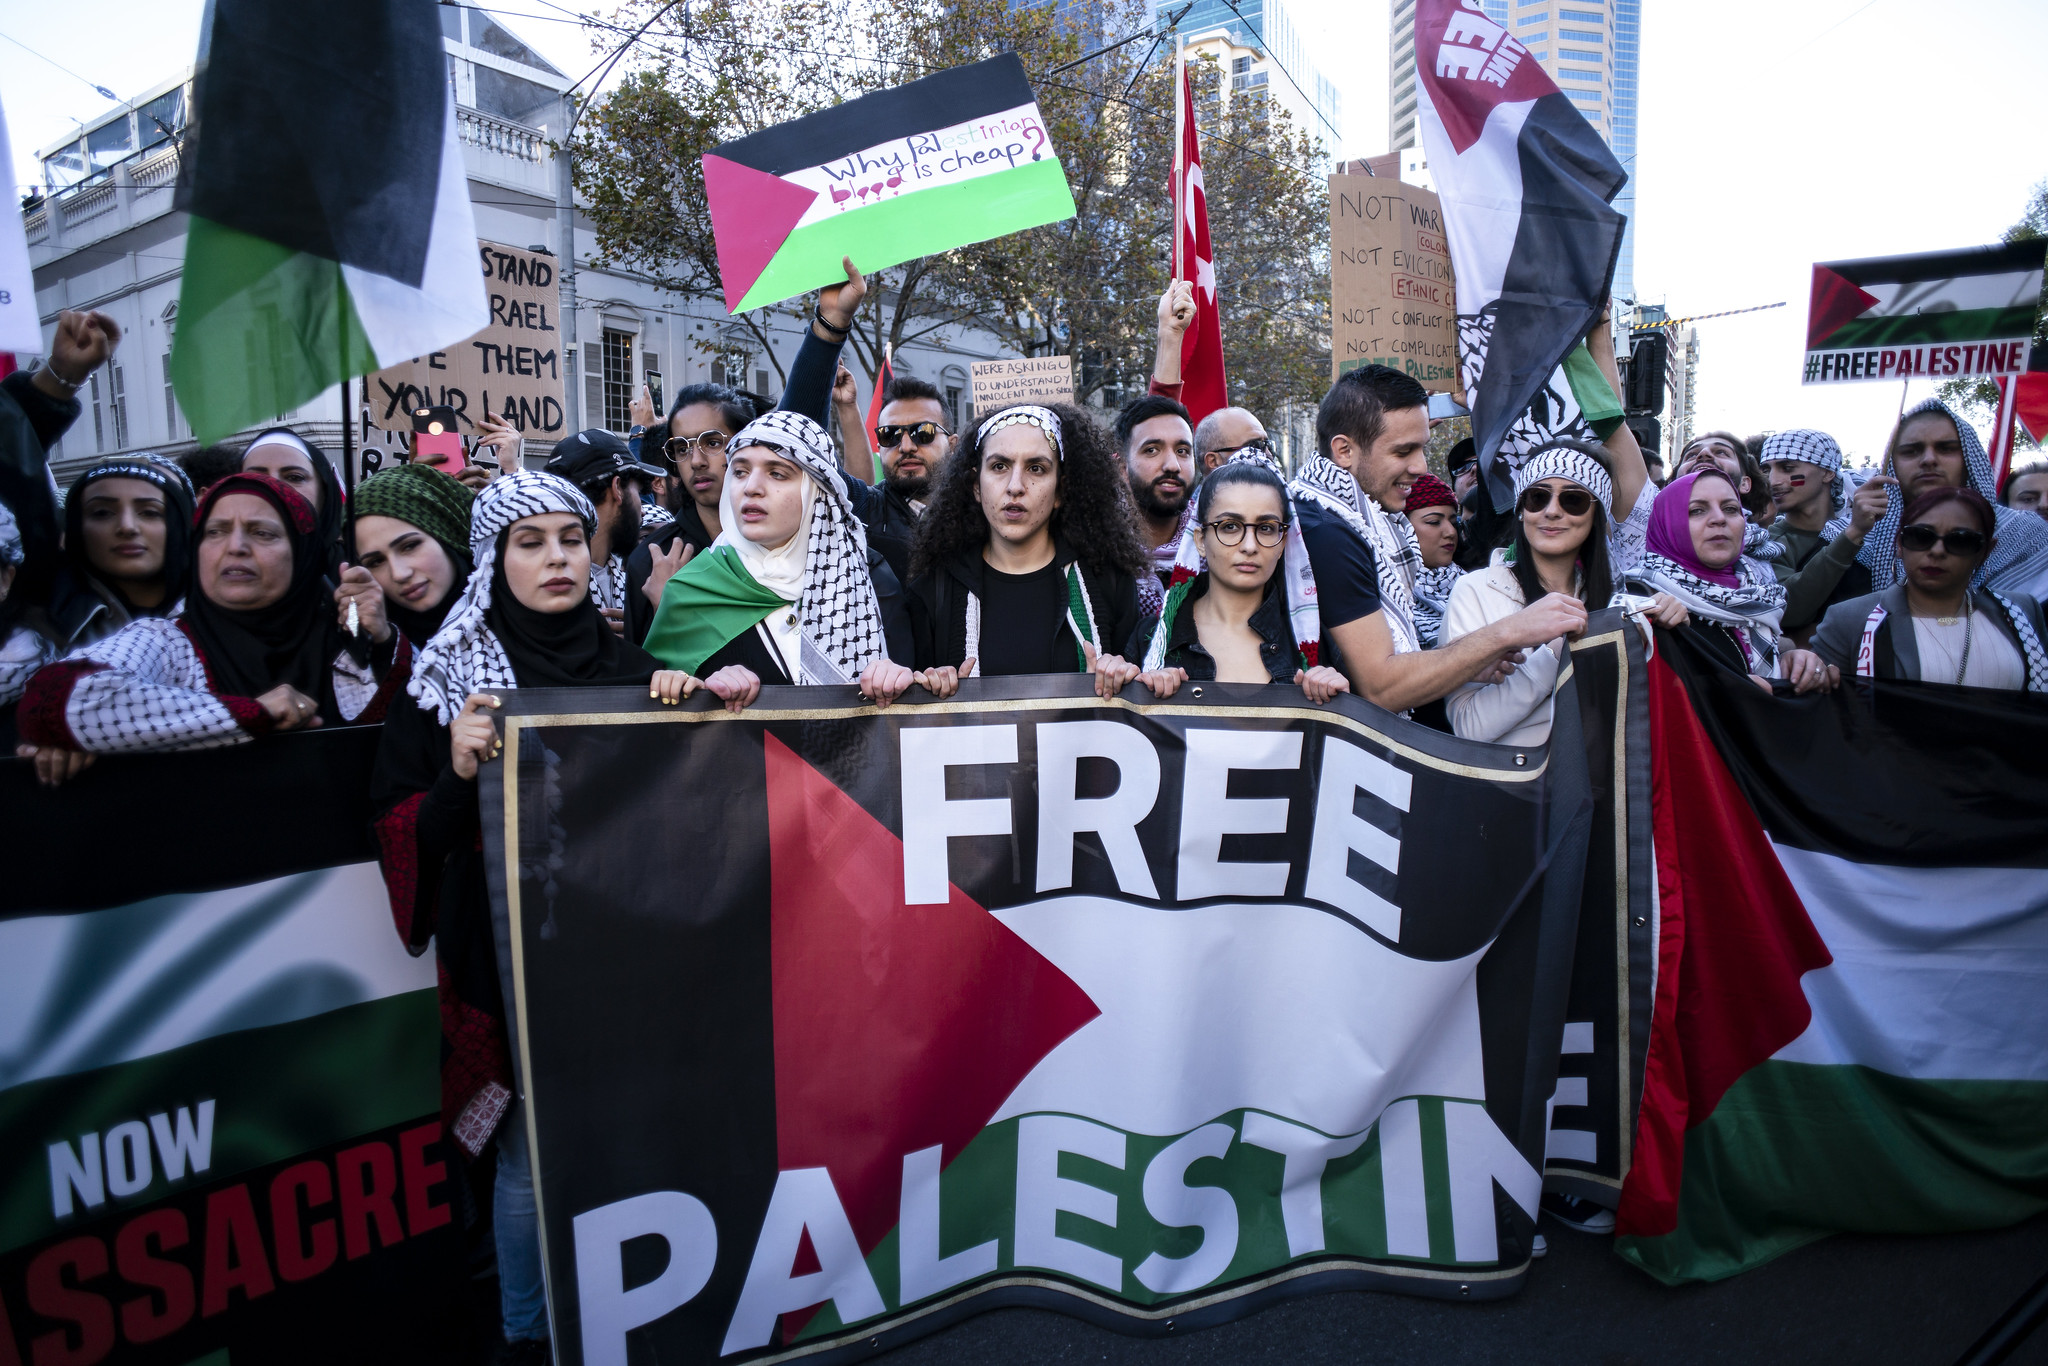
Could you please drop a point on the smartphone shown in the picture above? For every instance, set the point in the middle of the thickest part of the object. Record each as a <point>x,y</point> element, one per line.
<point>437,439</point>
<point>654,394</point>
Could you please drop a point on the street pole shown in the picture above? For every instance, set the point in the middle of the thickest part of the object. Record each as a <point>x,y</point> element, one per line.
<point>565,218</point>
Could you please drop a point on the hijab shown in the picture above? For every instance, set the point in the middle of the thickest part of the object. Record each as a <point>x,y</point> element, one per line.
<point>423,497</point>
<point>333,502</point>
<point>1745,597</point>
<point>295,640</point>
<point>1670,531</point>
<point>178,526</point>
<point>492,640</point>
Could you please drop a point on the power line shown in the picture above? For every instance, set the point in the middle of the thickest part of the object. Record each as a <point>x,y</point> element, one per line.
<point>1283,69</point>
<point>63,68</point>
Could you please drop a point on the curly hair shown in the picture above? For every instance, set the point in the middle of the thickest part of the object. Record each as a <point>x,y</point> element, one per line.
<point>1095,517</point>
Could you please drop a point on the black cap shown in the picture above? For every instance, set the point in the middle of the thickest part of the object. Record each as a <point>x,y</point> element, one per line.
<point>595,454</point>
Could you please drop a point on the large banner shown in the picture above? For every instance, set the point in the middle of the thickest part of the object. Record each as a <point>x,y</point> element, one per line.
<point>219,1071</point>
<point>837,1025</point>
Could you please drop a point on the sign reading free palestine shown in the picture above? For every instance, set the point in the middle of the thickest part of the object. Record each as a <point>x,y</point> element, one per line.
<point>953,159</point>
<point>1939,315</point>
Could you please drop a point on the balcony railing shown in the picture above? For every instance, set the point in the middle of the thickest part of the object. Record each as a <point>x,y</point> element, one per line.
<point>494,134</point>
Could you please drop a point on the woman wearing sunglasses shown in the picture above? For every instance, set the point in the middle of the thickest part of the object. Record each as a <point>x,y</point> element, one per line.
<point>1229,622</point>
<point>1564,498</point>
<point>1932,626</point>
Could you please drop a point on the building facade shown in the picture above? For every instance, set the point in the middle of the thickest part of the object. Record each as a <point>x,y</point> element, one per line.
<point>1263,50</point>
<point>103,235</point>
<point>1591,48</point>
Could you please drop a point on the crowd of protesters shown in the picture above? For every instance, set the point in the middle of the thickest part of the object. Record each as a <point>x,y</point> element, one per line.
<point>165,605</point>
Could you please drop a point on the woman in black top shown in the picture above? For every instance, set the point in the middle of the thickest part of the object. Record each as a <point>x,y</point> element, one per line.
<point>1026,561</point>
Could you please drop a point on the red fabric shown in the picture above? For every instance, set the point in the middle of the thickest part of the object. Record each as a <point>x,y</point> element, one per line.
<point>1171,391</point>
<point>477,1051</point>
<point>395,679</point>
<point>1999,448</point>
<point>884,377</point>
<point>1203,388</point>
<point>1833,301</point>
<point>1471,66</point>
<point>248,713</point>
<point>398,858</point>
<point>2033,402</point>
<point>40,717</point>
<point>1429,492</point>
<point>288,501</point>
<point>1734,940</point>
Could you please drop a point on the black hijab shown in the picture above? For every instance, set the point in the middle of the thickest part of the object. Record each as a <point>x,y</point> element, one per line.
<point>333,502</point>
<point>572,649</point>
<point>177,529</point>
<point>294,640</point>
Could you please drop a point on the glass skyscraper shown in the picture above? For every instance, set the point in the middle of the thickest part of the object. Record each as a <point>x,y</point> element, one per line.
<point>1287,69</point>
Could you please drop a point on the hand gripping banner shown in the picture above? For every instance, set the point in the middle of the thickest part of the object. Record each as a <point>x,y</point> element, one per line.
<point>837,1025</point>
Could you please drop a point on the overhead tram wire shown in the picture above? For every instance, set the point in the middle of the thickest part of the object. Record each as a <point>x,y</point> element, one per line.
<point>97,88</point>
<point>1285,72</point>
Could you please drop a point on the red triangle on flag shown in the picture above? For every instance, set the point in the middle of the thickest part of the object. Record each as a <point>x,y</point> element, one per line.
<point>1835,301</point>
<point>752,214</point>
<point>2032,404</point>
<point>896,1027</point>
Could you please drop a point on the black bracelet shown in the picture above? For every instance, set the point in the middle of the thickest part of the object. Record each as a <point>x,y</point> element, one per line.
<point>818,316</point>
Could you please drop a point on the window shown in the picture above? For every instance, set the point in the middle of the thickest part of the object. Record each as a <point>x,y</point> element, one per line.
<point>488,36</point>
<point>1240,65</point>
<point>162,118</point>
<point>109,143</point>
<point>1539,53</point>
<point>1579,35</point>
<point>1573,73</point>
<point>1528,38</point>
<point>761,382</point>
<point>1524,4</point>
<point>618,380</point>
<point>1585,96</point>
<point>174,425</point>
<point>99,426</point>
<point>64,168</point>
<point>1529,19</point>
<point>514,97</point>
<point>1580,16</point>
<point>1572,54</point>
<point>953,406</point>
<point>117,390</point>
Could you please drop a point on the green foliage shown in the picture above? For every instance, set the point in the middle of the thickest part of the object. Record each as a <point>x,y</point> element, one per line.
<point>1977,399</point>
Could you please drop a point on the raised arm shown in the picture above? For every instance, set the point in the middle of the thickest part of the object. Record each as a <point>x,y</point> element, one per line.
<point>809,390</point>
<point>1631,472</point>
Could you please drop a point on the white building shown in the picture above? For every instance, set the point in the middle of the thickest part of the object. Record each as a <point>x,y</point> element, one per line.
<point>1263,51</point>
<point>104,236</point>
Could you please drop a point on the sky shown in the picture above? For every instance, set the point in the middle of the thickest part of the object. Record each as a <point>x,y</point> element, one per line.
<point>1772,134</point>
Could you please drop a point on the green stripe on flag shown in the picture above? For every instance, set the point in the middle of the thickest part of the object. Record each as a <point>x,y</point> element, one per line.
<point>277,1091</point>
<point>261,330</point>
<point>1959,325</point>
<point>1796,1151</point>
<point>710,601</point>
<point>911,225</point>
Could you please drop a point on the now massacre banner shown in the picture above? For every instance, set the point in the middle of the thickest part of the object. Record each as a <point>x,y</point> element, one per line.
<point>219,1071</point>
<point>836,1025</point>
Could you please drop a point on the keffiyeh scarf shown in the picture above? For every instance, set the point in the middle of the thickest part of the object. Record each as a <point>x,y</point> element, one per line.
<point>1432,599</point>
<point>465,655</point>
<point>1396,555</point>
<point>2031,651</point>
<point>1752,610</point>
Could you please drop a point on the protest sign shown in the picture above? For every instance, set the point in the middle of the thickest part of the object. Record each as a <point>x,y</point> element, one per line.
<point>219,1073</point>
<point>1287,1031</point>
<point>512,369</point>
<point>21,325</point>
<point>1938,315</point>
<point>1027,379</point>
<point>956,158</point>
<point>1392,297</point>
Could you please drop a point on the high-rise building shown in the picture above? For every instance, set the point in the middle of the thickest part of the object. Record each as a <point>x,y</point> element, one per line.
<point>1263,50</point>
<point>1591,48</point>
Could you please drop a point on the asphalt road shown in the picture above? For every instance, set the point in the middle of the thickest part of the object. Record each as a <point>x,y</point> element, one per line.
<point>1842,1302</point>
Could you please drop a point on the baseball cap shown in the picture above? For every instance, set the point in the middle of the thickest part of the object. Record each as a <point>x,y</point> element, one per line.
<point>595,454</point>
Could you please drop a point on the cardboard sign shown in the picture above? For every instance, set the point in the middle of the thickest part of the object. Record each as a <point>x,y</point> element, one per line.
<point>1392,299</point>
<point>512,369</point>
<point>1029,379</point>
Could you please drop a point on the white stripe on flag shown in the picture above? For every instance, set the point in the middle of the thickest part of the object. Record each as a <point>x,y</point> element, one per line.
<point>1940,973</point>
<point>1963,292</point>
<point>924,161</point>
<point>451,304</point>
<point>1481,190</point>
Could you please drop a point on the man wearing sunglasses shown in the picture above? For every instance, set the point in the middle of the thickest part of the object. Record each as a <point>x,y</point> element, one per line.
<point>1224,433</point>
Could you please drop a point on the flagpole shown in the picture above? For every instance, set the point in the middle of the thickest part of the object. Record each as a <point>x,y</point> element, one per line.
<point>1180,141</point>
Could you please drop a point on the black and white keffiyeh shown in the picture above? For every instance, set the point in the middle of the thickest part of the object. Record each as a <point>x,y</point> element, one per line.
<point>465,655</point>
<point>1432,599</point>
<point>1396,554</point>
<point>1565,462</point>
<point>1815,448</point>
<point>1755,607</point>
<point>839,616</point>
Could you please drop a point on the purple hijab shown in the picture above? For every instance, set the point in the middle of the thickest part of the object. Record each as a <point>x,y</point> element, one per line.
<point>1670,533</point>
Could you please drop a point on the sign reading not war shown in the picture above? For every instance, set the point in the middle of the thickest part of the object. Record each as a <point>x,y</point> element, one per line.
<point>837,1025</point>
<point>1393,300</point>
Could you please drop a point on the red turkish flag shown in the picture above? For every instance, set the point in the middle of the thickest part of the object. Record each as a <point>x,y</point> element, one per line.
<point>1201,346</point>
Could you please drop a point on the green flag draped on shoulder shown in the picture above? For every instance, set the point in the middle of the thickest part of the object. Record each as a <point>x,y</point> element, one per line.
<point>331,231</point>
<point>709,602</point>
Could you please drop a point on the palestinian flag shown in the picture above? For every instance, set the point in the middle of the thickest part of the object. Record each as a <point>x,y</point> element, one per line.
<point>943,162</point>
<point>1940,315</point>
<point>1526,186</point>
<point>331,232</point>
<point>1023,998</point>
<point>1851,1022</point>
<point>219,1072</point>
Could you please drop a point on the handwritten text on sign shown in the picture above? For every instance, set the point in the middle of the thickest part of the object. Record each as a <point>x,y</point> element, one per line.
<point>512,369</point>
<point>1392,299</point>
<point>1031,379</point>
<point>945,156</point>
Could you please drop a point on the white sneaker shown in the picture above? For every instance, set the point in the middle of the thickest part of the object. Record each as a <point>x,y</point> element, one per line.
<point>1540,1248</point>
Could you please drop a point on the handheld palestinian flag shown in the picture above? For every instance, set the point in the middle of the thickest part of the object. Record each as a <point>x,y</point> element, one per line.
<point>331,232</point>
<point>1939,315</point>
<point>950,160</point>
<point>1850,1030</point>
<point>1526,186</point>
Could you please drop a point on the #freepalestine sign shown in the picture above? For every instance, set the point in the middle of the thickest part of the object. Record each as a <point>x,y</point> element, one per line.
<point>1150,1013</point>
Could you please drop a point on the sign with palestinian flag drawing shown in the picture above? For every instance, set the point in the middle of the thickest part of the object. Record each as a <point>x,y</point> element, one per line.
<point>953,159</point>
<point>1851,1023</point>
<point>1940,315</point>
<point>1147,1013</point>
<point>219,1072</point>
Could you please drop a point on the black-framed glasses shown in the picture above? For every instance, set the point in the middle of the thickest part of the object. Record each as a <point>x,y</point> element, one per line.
<point>1230,531</point>
<point>1960,540</point>
<point>1571,502</point>
<point>1257,443</point>
<point>679,447</point>
<point>923,433</point>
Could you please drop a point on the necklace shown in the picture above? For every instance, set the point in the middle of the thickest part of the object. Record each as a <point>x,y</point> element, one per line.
<point>1969,624</point>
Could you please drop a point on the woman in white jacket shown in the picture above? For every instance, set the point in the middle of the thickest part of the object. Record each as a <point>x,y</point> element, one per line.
<point>1564,501</point>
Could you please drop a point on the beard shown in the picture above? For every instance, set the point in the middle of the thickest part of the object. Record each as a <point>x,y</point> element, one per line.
<point>911,486</point>
<point>1153,504</point>
<point>625,535</point>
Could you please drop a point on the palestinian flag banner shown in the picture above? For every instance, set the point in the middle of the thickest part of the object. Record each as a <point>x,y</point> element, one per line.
<point>219,1072</point>
<point>1851,1023</point>
<point>1527,187</point>
<point>838,1025</point>
<point>944,162</point>
<point>1939,315</point>
<point>331,233</point>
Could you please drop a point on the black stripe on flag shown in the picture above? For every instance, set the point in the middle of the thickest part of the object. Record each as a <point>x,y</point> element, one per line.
<point>2006,259</point>
<point>1918,775</point>
<point>940,101</point>
<point>322,137</point>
